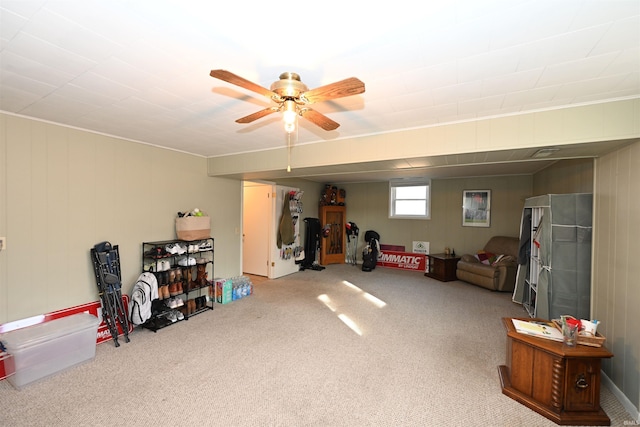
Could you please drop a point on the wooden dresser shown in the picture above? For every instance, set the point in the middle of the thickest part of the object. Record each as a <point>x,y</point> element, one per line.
<point>559,382</point>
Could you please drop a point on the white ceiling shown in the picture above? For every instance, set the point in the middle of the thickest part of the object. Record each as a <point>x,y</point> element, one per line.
<point>140,69</point>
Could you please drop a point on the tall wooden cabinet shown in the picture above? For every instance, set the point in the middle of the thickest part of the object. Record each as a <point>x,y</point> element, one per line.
<point>333,243</point>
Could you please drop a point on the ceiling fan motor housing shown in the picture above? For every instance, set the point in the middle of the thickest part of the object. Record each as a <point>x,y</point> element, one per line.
<point>289,86</point>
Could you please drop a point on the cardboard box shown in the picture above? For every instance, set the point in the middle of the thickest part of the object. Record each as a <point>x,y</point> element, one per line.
<point>193,227</point>
<point>223,291</point>
<point>42,350</point>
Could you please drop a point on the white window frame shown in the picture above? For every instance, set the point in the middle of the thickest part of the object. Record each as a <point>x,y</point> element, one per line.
<point>409,182</point>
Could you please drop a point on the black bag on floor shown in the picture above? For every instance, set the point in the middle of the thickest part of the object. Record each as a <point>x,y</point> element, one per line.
<point>371,250</point>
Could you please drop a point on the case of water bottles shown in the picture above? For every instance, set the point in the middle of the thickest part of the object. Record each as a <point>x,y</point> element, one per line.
<point>228,290</point>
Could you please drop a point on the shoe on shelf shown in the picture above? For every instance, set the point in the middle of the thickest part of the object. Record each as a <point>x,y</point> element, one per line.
<point>176,248</point>
<point>171,315</point>
<point>150,253</point>
<point>160,265</point>
<point>183,310</point>
<point>205,245</point>
<point>163,321</point>
<point>171,303</point>
<point>178,314</point>
<point>179,302</point>
<point>193,249</point>
<point>173,289</point>
<point>186,274</point>
<point>171,248</point>
<point>160,252</point>
<point>187,261</point>
<point>157,252</point>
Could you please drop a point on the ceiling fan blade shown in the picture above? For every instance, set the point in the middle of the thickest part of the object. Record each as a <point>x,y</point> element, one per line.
<point>346,87</point>
<point>319,119</point>
<point>257,115</point>
<point>229,77</point>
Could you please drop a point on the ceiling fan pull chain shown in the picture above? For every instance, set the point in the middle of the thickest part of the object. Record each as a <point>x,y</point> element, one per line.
<point>289,151</point>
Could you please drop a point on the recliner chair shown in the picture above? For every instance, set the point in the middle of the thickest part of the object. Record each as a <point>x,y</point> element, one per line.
<point>494,267</point>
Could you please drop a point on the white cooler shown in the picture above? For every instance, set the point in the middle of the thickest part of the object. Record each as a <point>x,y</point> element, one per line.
<point>47,348</point>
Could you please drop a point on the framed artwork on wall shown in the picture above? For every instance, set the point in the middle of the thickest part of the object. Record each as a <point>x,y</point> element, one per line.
<point>476,208</point>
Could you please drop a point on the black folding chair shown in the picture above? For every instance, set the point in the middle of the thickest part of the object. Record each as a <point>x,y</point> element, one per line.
<point>106,266</point>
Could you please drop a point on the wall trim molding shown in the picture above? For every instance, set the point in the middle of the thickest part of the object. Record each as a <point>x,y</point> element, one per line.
<point>626,403</point>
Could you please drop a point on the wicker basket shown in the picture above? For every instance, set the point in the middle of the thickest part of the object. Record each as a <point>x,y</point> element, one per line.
<point>590,340</point>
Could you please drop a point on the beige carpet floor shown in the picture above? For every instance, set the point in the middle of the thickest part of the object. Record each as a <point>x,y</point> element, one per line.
<point>338,347</point>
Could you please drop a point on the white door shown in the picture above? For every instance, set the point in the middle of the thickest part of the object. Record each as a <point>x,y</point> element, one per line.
<point>279,265</point>
<point>256,225</point>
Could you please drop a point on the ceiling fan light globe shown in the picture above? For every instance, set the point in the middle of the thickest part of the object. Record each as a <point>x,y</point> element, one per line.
<point>289,116</point>
<point>289,127</point>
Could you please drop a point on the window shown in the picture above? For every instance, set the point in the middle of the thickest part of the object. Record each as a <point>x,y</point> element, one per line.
<point>410,198</point>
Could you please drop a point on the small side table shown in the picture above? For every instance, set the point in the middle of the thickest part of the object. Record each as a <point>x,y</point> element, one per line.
<point>560,383</point>
<point>442,267</point>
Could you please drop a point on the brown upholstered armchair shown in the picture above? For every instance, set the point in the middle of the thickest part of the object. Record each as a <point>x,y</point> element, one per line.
<point>494,267</point>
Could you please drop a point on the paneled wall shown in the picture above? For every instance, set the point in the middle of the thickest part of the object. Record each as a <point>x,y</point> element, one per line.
<point>63,190</point>
<point>368,207</point>
<point>565,176</point>
<point>614,181</point>
<point>616,270</point>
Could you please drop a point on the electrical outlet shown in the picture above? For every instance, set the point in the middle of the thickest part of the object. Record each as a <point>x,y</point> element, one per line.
<point>3,243</point>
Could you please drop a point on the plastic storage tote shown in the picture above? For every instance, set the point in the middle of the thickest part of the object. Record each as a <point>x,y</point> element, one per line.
<point>48,348</point>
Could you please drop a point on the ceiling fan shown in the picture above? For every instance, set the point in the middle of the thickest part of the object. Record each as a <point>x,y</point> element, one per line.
<point>292,97</point>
